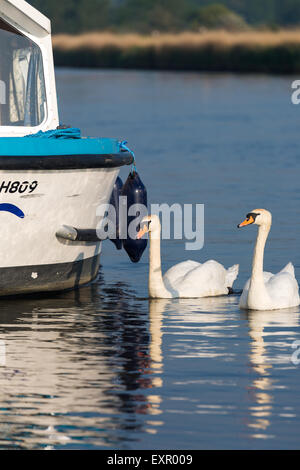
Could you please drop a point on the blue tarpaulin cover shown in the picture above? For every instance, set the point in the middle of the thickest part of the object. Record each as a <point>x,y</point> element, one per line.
<point>58,142</point>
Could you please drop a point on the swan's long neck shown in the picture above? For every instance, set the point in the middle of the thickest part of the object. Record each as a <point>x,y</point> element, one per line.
<point>157,288</point>
<point>258,257</point>
<point>257,289</point>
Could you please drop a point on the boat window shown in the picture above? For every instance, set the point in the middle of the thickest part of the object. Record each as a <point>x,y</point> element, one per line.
<point>22,84</point>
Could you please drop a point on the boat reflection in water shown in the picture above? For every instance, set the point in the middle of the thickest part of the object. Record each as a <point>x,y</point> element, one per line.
<point>74,368</point>
<point>264,328</point>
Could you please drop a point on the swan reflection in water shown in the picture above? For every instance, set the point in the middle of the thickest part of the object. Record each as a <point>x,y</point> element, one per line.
<point>207,319</point>
<point>263,326</point>
<point>202,320</point>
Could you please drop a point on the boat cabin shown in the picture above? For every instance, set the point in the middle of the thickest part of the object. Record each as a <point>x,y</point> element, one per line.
<point>28,101</point>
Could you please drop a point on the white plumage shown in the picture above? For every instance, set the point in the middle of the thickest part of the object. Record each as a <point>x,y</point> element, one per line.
<point>192,279</point>
<point>282,289</point>
<point>264,290</point>
<point>188,279</point>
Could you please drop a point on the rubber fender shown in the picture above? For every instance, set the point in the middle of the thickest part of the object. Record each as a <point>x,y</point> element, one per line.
<point>136,193</point>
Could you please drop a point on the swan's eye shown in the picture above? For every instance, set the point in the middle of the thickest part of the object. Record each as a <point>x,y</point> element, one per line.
<point>252,216</point>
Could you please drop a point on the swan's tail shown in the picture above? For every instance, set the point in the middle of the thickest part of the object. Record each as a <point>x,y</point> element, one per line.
<point>232,274</point>
<point>289,268</point>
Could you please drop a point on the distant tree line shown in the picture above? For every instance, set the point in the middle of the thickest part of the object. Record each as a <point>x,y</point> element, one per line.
<point>147,16</point>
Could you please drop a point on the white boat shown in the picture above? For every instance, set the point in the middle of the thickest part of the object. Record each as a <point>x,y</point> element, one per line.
<point>51,183</point>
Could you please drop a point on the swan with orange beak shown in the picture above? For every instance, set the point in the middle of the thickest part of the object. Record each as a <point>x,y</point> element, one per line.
<point>264,290</point>
<point>188,279</point>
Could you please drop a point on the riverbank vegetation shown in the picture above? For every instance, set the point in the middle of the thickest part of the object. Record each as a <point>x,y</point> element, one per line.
<point>203,35</point>
<point>212,50</point>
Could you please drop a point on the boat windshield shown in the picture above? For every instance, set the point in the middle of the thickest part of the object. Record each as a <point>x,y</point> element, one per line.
<point>22,84</point>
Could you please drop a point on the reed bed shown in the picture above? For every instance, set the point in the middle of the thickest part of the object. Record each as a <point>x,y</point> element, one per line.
<point>219,51</point>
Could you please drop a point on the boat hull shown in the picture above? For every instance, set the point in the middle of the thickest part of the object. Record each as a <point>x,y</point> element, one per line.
<point>32,257</point>
<point>48,278</point>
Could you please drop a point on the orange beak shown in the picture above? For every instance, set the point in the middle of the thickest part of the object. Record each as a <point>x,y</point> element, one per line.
<point>247,222</point>
<point>142,232</point>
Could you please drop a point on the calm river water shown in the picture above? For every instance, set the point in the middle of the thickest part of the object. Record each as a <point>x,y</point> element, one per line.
<point>104,367</point>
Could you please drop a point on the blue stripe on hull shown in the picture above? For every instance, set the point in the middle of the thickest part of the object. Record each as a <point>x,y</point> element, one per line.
<point>12,209</point>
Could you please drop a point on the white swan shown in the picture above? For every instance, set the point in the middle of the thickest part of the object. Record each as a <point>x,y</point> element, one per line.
<point>267,291</point>
<point>188,279</point>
